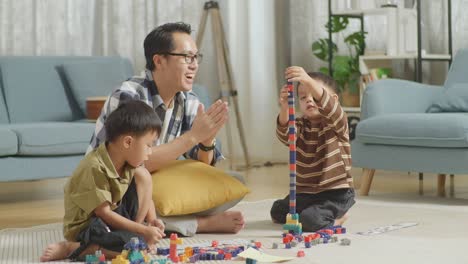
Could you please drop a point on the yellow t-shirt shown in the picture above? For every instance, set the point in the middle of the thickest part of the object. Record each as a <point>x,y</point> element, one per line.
<point>94,182</point>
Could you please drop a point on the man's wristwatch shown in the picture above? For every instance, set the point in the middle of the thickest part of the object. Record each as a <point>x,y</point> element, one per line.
<point>207,148</point>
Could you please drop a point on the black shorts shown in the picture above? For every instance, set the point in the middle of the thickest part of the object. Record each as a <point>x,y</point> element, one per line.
<point>99,233</point>
<point>316,211</point>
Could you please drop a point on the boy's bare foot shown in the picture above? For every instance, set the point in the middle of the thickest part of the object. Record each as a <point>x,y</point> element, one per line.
<point>341,220</point>
<point>226,222</point>
<point>58,251</point>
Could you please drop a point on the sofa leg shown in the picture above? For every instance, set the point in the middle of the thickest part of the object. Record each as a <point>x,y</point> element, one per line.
<point>421,183</point>
<point>441,185</point>
<point>366,181</point>
<point>452,185</point>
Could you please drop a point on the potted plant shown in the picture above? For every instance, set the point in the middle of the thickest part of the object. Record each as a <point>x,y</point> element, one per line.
<point>345,67</point>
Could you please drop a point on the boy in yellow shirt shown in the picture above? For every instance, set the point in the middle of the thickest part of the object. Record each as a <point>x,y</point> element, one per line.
<point>105,205</point>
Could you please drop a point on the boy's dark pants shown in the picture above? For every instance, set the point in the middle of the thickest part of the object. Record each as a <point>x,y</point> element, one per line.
<point>99,233</point>
<point>316,211</point>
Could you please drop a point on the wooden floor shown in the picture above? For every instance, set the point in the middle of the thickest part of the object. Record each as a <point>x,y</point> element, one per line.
<point>31,203</point>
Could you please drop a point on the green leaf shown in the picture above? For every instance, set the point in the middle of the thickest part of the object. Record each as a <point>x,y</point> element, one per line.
<point>357,41</point>
<point>337,24</point>
<point>345,67</point>
<point>324,70</point>
<point>320,49</point>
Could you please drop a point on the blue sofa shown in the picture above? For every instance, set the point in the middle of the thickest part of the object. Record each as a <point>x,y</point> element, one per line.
<point>44,132</point>
<point>413,127</point>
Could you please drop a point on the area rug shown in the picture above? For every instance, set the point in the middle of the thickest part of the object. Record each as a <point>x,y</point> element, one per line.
<point>441,235</point>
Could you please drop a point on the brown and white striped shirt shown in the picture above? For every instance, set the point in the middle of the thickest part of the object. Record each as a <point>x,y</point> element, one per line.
<point>323,158</point>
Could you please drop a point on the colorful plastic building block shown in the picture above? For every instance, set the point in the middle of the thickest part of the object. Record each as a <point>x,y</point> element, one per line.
<point>133,253</point>
<point>97,258</point>
<point>250,261</point>
<point>160,261</point>
<point>345,242</point>
<point>120,260</point>
<point>214,243</point>
<point>307,240</point>
<point>188,251</point>
<point>292,224</point>
<point>174,241</point>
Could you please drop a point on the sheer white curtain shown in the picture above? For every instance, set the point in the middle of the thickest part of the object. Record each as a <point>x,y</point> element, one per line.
<point>252,33</point>
<point>87,27</point>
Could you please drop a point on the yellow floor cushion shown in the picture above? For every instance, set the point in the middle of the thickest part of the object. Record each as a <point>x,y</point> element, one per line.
<point>188,186</point>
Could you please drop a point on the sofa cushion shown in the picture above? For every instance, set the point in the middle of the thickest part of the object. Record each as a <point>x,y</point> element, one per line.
<point>454,99</point>
<point>441,130</point>
<point>53,138</point>
<point>96,77</point>
<point>457,71</point>
<point>33,89</point>
<point>8,142</point>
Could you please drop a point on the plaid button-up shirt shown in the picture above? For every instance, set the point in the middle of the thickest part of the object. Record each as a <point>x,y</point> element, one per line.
<point>144,89</point>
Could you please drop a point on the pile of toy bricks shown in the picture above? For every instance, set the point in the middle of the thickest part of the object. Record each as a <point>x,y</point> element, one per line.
<point>323,236</point>
<point>134,253</point>
<point>97,258</point>
<point>194,254</point>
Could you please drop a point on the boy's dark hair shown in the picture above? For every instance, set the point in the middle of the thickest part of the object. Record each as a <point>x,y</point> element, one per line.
<point>325,79</point>
<point>132,117</point>
<point>161,41</point>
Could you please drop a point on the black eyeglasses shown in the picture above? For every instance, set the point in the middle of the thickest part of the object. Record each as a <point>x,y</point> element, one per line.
<point>189,58</point>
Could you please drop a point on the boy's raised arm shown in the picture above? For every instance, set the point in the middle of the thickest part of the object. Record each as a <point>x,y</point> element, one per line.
<point>334,114</point>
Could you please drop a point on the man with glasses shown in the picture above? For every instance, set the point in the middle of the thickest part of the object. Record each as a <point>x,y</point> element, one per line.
<point>172,61</point>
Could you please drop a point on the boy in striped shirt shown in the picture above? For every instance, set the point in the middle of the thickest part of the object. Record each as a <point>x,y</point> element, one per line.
<point>323,155</point>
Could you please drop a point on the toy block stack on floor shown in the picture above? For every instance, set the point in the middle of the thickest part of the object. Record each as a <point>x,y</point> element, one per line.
<point>292,225</point>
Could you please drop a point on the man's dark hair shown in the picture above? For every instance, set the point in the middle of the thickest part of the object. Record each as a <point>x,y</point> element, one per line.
<point>325,79</point>
<point>132,117</point>
<point>161,41</point>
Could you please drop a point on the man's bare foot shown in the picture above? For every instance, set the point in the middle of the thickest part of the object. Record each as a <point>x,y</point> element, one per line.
<point>340,221</point>
<point>58,251</point>
<point>226,222</point>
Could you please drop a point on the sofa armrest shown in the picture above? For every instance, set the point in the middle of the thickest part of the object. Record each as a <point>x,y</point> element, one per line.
<point>393,96</point>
